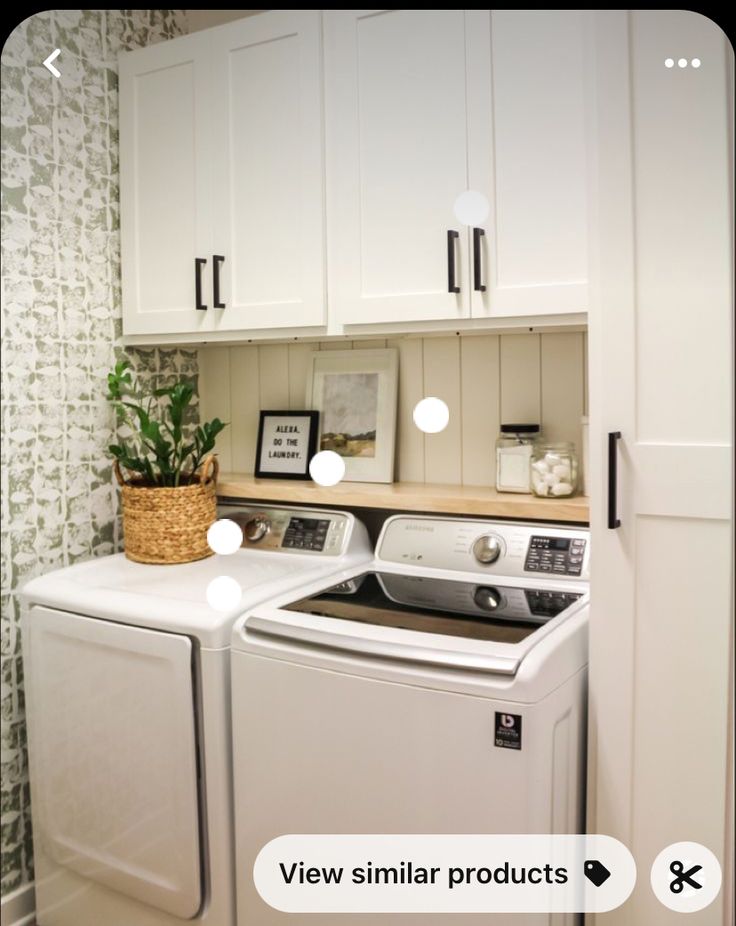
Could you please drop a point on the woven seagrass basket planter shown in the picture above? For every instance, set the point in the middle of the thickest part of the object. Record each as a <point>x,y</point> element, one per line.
<point>169,525</point>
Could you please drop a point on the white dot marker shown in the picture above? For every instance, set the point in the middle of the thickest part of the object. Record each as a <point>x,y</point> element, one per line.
<point>471,208</point>
<point>682,62</point>
<point>225,536</point>
<point>327,468</point>
<point>431,415</point>
<point>669,62</point>
<point>695,62</point>
<point>224,593</point>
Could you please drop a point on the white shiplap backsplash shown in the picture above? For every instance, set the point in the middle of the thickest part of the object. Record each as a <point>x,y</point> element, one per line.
<point>484,379</point>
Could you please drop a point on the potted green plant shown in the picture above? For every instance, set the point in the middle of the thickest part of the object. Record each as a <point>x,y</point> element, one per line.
<point>166,470</point>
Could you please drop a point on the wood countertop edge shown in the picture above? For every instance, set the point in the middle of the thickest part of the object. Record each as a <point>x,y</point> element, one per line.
<point>407,496</point>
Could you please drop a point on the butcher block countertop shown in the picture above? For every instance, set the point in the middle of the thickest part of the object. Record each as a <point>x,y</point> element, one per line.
<point>406,496</point>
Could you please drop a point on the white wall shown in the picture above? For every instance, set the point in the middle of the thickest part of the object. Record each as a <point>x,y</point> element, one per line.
<point>484,379</point>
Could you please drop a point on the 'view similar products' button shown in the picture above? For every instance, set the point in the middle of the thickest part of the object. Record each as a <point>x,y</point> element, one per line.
<point>444,873</point>
<point>686,877</point>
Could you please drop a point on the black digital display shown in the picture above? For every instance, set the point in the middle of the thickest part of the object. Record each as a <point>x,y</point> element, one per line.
<point>306,524</point>
<point>306,534</point>
<point>557,543</point>
<point>550,543</point>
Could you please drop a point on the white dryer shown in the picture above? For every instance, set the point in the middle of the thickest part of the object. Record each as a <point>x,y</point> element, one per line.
<point>440,690</point>
<point>128,705</point>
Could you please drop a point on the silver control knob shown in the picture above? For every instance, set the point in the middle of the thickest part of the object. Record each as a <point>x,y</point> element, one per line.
<point>488,599</point>
<point>487,549</point>
<point>256,529</point>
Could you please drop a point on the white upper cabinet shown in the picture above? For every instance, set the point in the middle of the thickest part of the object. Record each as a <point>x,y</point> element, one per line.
<point>166,193</point>
<point>396,159</point>
<point>269,174</point>
<point>222,179</point>
<point>423,105</point>
<point>297,163</point>
<point>527,155</point>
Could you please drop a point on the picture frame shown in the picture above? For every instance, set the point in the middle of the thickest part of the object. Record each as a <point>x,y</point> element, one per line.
<point>356,392</point>
<point>287,441</point>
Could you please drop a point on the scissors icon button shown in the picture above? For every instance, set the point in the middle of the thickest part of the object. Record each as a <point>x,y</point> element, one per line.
<point>683,877</point>
<point>686,876</point>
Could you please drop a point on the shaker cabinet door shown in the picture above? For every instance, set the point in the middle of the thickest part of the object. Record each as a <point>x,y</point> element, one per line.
<point>527,155</point>
<point>661,443</point>
<point>395,84</point>
<point>268,172</point>
<point>165,133</point>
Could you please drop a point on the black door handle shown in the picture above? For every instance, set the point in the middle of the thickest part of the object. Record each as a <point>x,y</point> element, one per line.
<point>613,438</point>
<point>451,286</point>
<point>217,259</point>
<point>478,233</point>
<point>199,262</point>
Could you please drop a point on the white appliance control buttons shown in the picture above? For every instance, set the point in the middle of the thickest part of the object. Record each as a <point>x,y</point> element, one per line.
<point>560,555</point>
<point>257,528</point>
<point>487,549</point>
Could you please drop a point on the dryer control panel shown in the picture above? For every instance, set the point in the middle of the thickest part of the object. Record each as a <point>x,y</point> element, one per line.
<point>292,530</point>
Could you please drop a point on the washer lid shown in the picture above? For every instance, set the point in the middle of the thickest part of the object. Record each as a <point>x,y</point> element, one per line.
<point>434,605</point>
<point>418,618</point>
<point>174,598</point>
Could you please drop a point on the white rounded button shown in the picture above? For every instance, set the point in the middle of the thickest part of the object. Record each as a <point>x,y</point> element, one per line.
<point>686,877</point>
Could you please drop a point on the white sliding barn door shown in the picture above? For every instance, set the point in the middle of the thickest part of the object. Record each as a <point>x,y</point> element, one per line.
<point>661,374</point>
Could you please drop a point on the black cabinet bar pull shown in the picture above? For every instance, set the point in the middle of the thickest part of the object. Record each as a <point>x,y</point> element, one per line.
<point>217,259</point>
<point>451,286</point>
<point>613,438</point>
<point>199,262</point>
<point>478,233</point>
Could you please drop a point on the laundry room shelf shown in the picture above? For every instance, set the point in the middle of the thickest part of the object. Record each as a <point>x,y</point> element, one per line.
<point>406,496</point>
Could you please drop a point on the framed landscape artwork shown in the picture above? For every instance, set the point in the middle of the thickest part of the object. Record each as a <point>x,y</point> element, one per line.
<point>355,392</point>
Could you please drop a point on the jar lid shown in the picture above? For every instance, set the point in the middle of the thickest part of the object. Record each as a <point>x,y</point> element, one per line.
<point>519,428</point>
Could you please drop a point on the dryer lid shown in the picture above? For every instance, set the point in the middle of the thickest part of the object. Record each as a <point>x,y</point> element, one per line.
<point>174,598</point>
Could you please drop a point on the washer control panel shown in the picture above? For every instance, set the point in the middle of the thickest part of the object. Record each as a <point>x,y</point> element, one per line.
<point>291,530</point>
<point>486,548</point>
<point>557,555</point>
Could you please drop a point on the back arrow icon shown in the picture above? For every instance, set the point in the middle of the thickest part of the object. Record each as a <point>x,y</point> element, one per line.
<point>52,57</point>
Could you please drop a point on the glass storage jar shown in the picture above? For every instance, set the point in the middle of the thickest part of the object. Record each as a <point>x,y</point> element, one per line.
<point>554,469</point>
<point>513,456</point>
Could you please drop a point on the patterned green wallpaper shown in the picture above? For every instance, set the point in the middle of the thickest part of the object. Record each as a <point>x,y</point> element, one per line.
<point>61,329</point>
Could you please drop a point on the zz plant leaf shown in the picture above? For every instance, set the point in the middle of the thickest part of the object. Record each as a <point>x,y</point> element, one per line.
<point>161,449</point>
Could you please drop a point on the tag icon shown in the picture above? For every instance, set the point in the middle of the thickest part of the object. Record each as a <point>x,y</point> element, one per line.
<point>596,872</point>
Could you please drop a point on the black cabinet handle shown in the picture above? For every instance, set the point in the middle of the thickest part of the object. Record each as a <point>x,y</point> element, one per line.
<point>478,233</point>
<point>199,262</point>
<point>613,438</point>
<point>217,259</point>
<point>451,235</point>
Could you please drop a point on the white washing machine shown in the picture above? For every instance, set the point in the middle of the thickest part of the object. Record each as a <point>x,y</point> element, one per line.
<point>127,673</point>
<point>440,690</point>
